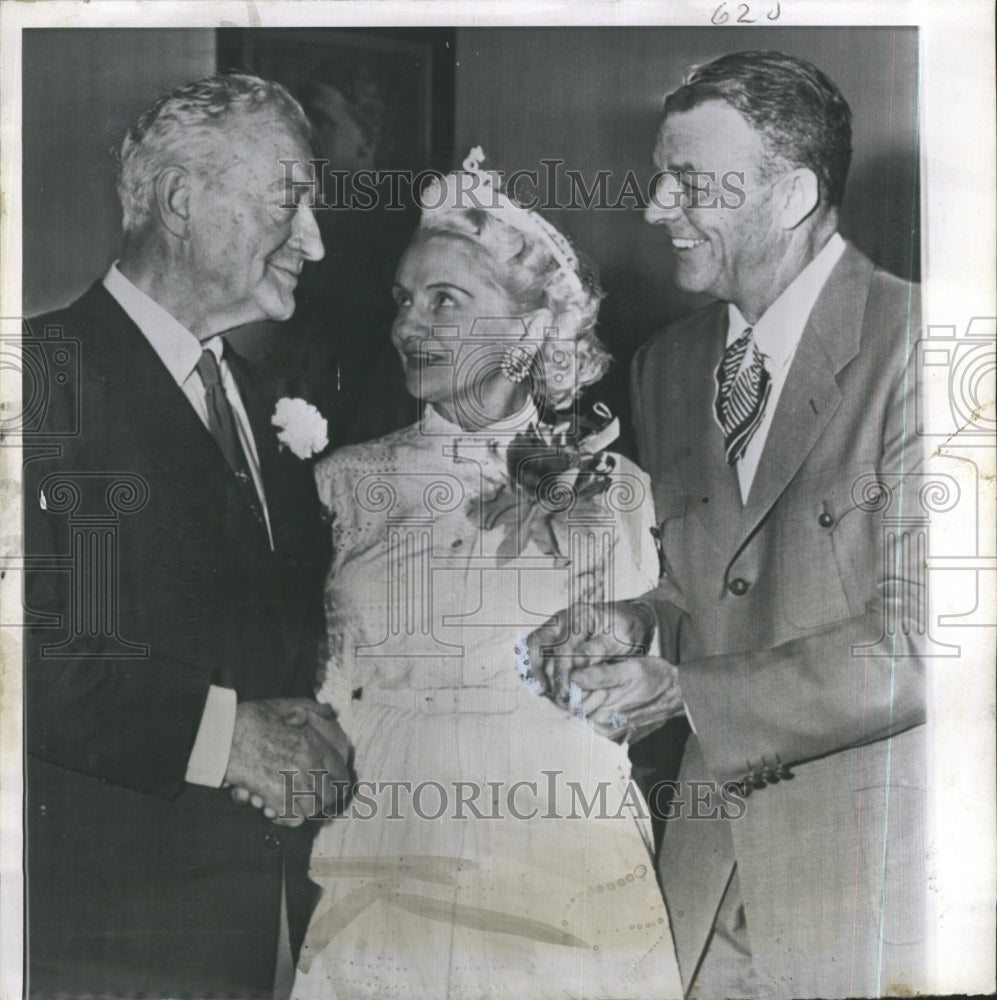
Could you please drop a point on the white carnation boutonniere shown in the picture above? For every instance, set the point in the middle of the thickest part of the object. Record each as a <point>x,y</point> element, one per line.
<point>300,427</point>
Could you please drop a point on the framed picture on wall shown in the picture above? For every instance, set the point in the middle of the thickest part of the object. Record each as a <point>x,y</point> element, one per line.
<point>379,99</point>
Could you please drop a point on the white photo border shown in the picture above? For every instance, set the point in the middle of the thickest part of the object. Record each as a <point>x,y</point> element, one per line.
<point>959,263</point>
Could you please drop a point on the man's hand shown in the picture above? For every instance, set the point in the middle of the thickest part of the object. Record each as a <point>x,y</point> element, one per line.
<point>592,658</point>
<point>629,698</point>
<point>306,712</point>
<point>286,734</point>
<point>587,634</point>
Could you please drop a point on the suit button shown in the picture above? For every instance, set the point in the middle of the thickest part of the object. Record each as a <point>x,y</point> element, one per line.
<point>825,520</point>
<point>271,840</point>
<point>737,586</point>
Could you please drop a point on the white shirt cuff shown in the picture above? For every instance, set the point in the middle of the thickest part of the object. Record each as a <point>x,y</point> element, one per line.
<point>209,757</point>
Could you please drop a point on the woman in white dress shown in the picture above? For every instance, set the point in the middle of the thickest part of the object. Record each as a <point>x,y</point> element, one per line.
<point>494,846</point>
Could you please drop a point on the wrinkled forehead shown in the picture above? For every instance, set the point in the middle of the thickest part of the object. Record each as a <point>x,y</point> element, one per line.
<point>257,143</point>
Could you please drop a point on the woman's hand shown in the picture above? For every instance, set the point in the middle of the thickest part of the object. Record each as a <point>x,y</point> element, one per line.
<point>583,635</point>
<point>591,659</point>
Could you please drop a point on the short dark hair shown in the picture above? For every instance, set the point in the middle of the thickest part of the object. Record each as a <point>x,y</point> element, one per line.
<point>805,120</point>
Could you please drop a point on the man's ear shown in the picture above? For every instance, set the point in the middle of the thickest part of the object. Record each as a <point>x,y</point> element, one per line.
<point>798,196</point>
<point>172,188</point>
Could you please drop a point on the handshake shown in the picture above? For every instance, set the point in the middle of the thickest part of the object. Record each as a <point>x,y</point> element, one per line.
<point>288,753</point>
<point>591,660</point>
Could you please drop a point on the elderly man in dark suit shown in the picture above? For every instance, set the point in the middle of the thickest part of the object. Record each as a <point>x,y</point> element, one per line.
<point>177,559</point>
<point>777,426</point>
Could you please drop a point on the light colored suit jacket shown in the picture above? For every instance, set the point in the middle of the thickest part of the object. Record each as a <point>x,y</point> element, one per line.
<point>800,652</point>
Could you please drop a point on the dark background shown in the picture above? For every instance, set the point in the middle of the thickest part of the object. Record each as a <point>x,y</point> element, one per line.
<point>587,96</point>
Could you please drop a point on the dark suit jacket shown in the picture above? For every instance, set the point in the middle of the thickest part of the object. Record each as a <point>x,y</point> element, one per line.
<point>802,640</point>
<point>150,577</point>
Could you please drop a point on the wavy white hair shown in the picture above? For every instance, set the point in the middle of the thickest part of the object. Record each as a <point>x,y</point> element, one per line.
<point>182,129</point>
<point>522,262</point>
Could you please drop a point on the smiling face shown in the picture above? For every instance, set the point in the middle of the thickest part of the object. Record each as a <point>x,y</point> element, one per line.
<point>453,325</point>
<point>248,239</point>
<point>727,249</point>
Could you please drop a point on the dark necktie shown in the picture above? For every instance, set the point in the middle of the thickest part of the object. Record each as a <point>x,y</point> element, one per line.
<point>742,392</point>
<point>221,419</point>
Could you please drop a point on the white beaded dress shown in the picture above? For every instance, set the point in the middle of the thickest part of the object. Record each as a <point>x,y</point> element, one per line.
<point>494,846</point>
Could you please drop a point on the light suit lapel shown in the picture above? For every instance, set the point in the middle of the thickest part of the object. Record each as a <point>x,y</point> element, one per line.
<point>811,395</point>
<point>712,491</point>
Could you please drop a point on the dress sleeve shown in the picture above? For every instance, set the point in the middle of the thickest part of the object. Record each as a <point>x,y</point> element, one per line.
<point>354,486</point>
<point>607,538</point>
<point>635,556</point>
<point>335,489</point>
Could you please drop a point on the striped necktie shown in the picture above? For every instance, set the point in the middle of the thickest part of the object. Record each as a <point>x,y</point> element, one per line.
<point>743,387</point>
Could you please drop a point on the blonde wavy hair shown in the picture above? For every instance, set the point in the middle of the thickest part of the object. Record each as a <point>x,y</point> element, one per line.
<point>524,266</point>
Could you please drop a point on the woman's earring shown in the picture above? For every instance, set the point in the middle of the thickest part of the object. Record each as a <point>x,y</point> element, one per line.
<point>515,363</point>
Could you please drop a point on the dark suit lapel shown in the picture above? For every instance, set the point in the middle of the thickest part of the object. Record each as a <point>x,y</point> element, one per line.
<point>257,404</point>
<point>300,557</point>
<point>162,419</point>
<point>711,484</point>
<point>811,395</point>
<point>275,466</point>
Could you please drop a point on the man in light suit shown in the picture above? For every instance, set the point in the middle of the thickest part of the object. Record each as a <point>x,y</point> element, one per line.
<point>175,590</point>
<point>777,429</point>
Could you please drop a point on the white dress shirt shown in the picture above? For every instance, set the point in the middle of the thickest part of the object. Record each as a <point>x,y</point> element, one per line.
<point>180,351</point>
<point>776,335</point>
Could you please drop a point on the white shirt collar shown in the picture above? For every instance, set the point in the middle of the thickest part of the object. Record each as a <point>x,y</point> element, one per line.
<point>780,327</point>
<point>176,346</point>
